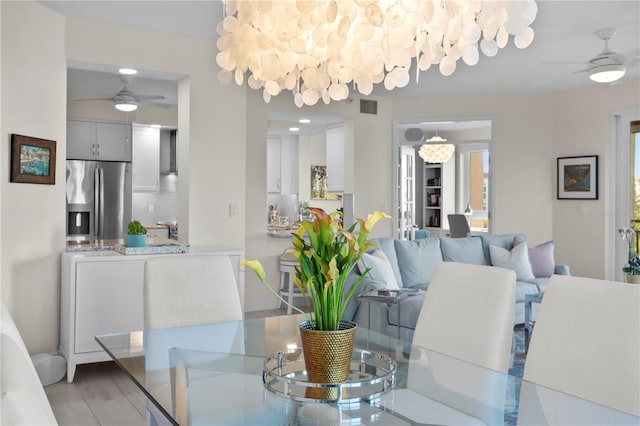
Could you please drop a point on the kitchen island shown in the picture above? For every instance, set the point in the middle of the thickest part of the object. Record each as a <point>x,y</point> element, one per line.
<point>101,293</point>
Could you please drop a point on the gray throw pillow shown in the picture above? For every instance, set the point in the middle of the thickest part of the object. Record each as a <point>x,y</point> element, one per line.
<point>417,259</point>
<point>464,250</point>
<point>504,241</point>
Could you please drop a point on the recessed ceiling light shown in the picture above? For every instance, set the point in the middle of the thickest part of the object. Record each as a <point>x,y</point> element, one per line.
<point>156,126</point>
<point>294,129</point>
<point>304,121</point>
<point>127,71</point>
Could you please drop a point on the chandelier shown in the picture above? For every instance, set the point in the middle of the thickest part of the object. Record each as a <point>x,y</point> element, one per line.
<point>434,151</point>
<point>315,48</point>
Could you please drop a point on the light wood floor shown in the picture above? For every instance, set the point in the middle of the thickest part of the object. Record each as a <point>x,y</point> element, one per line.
<point>102,394</point>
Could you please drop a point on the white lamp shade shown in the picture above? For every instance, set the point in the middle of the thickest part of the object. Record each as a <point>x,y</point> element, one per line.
<point>607,73</point>
<point>436,153</point>
<point>126,106</point>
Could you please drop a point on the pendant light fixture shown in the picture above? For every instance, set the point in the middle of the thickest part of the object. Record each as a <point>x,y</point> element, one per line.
<point>316,48</point>
<point>435,151</point>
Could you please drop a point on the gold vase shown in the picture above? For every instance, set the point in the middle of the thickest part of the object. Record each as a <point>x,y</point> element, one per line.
<point>327,356</point>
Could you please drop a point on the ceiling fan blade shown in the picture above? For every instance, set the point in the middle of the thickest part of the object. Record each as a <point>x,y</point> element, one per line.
<point>549,80</point>
<point>157,104</point>
<point>93,99</point>
<point>565,63</point>
<point>149,97</point>
<point>630,55</point>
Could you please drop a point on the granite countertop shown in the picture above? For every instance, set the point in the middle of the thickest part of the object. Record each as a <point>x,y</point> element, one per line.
<point>110,245</point>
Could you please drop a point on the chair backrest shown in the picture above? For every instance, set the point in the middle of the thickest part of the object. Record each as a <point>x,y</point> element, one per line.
<point>468,314</point>
<point>586,342</point>
<point>458,225</point>
<point>189,289</point>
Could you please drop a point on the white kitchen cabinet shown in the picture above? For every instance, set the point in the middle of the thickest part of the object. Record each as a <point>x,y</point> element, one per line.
<point>108,300</point>
<point>273,165</point>
<point>146,159</point>
<point>97,140</point>
<point>282,165</point>
<point>101,293</point>
<point>335,159</point>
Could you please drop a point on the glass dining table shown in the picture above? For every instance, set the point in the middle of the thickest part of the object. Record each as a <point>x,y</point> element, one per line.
<point>251,372</point>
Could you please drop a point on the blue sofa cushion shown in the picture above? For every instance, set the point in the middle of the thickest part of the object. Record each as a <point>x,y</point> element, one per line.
<point>464,250</point>
<point>389,249</point>
<point>416,260</point>
<point>504,241</point>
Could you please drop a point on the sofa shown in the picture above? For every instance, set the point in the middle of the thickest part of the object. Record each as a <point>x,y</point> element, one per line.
<point>22,396</point>
<point>400,264</point>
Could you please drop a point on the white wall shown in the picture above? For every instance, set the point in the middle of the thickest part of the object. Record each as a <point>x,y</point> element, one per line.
<point>582,127</point>
<point>33,99</point>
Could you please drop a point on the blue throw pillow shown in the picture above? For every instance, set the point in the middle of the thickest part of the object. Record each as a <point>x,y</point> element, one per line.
<point>417,259</point>
<point>464,250</point>
<point>389,249</point>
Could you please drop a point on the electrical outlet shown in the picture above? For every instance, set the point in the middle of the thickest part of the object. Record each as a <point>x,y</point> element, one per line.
<point>150,208</point>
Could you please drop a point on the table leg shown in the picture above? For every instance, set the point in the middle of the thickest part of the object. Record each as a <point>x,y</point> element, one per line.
<point>527,324</point>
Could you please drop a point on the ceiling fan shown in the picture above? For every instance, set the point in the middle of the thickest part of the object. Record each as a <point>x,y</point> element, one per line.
<point>127,100</point>
<point>607,66</point>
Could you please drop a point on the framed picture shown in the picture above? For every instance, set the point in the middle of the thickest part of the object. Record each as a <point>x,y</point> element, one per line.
<point>33,160</point>
<point>578,178</point>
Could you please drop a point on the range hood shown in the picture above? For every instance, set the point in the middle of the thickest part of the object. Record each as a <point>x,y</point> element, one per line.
<point>168,152</point>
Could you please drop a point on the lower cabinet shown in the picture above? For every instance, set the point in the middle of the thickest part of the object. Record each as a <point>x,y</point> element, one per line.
<point>101,293</point>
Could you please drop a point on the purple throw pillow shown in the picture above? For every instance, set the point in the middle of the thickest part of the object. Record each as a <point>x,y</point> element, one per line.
<point>541,258</point>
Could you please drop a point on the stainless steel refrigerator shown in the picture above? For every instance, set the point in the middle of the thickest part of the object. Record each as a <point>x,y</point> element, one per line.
<point>98,199</point>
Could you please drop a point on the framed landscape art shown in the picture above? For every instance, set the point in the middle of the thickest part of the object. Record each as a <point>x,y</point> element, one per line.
<point>578,178</point>
<point>33,160</point>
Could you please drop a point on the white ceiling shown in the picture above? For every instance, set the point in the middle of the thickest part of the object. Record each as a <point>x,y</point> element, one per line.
<point>564,32</point>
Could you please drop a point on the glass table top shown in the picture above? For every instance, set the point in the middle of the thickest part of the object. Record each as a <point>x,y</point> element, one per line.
<point>213,374</point>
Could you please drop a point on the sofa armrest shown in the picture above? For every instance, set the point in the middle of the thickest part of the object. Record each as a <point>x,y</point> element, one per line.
<point>562,269</point>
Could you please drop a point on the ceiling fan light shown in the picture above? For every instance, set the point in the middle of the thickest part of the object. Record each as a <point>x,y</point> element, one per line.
<point>607,73</point>
<point>126,106</point>
<point>128,71</point>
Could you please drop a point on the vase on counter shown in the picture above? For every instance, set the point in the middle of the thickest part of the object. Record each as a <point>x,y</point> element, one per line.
<point>634,279</point>
<point>139,240</point>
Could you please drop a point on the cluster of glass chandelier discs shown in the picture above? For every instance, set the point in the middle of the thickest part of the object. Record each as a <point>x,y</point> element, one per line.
<point>316,48</point>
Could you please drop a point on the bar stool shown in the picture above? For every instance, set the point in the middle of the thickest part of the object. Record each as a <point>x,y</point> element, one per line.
<point>288,289</point>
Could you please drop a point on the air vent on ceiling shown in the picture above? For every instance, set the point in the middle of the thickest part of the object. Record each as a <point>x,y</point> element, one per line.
<point>368,106</point>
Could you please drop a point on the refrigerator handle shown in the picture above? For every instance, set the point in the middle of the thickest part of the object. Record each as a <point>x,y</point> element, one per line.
<point>96,203</point>
<point>101,202</point>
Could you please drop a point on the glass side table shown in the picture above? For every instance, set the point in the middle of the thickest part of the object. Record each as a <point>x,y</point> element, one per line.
<point>390,297</point>
<point>529,300</point>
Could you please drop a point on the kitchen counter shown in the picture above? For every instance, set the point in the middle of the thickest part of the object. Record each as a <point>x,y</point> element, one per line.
<point>109,245</point>
<point>156,226</point>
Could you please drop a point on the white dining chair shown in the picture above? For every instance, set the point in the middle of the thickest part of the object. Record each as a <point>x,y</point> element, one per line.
<point>186,290</point>
<point>583,363</point>
<point>466,327</point>
<point>181,291</point>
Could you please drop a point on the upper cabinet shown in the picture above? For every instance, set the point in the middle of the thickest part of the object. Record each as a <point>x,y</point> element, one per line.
<point>335,159</point>
<point>282,165</point>
<point>97,140</point>
<point>273,165</point>
<point>146,159</point>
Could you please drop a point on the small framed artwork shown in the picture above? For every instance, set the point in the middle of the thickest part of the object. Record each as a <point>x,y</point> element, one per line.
<point>578,178</point>
<point>33,160</point>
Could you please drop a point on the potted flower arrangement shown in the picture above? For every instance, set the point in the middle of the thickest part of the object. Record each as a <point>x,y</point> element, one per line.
<point>326,253</point>
<point>632,268</point>
<point>136,235</point>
